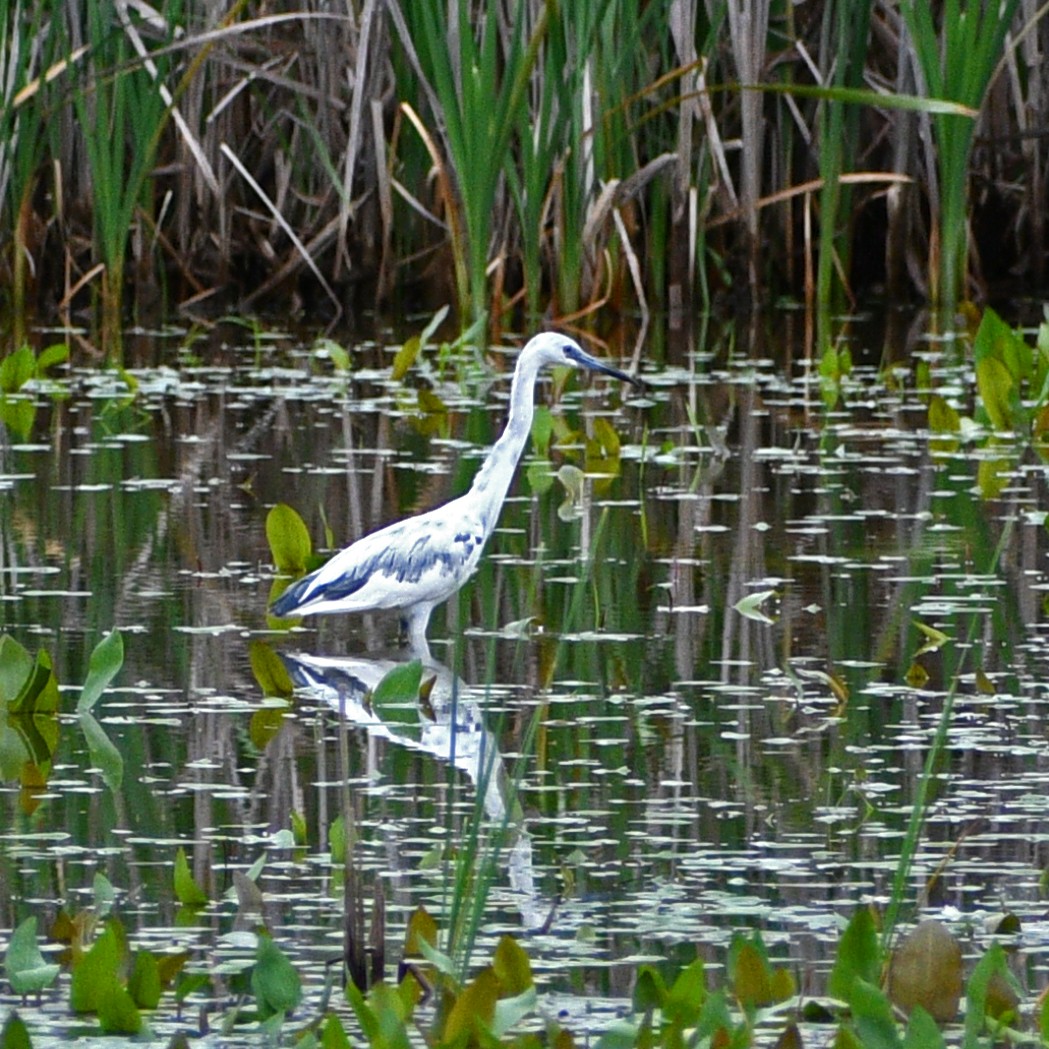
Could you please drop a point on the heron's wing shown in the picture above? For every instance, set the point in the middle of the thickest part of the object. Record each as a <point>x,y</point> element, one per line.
<point>419,561</point>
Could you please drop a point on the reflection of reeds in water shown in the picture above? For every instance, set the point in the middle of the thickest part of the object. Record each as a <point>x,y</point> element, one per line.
<point>583,154</point>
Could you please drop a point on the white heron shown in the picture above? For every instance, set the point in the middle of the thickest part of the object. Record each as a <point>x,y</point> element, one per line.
<point>416,564</point>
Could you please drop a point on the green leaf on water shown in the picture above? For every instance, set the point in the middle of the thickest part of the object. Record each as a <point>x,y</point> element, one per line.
<point>934,639</point>
<point>25,967</point>
<point>687,994</point>
<point>995,385</point>
<point>105,755</point>
<point>144,983</point>
<point>103,893</point>
<point>750,606</point>
<point>396,696</point>
<point>542,430</point>
<point>106,660</point>
<point>511,965</point>
<point>39,691</point>
<point>269,670</point>
<point>15,666</point>
<point>475,1005</point>
<point>945,423</point>
<point>56,353</point>
<point>97,970</point>
<point>405,357</point>
<point>14,1034</point>
<point>16,369</point>
<point>650,990</point>
<point>275,982</point>
<point>872,1015</point>
<point>289,540</point>
<point>117,1012</point>
<point>187,891</point>
<point>859,957</point>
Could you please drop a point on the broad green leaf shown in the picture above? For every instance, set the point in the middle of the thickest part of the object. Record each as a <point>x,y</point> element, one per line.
<point>922,1031</point>
<point>106,660</point>
<point>687,994</point>
<point>396,696</point>
<point>144,983</point>
<point>14,1034</point>
<point>620,1034</point>
<point>117,1012</point>
<point>859,956</point>
<point>512,967</point>
<point>421,928</point>
<point>104,753</point>
<point>750,606</point>
<point>995,385</point>
<point>289,540</point>
<point>333,1034</point>
<point>750,976</point>
<point>405,357</point>
<point>993,472</point>
<point>18,415</point>
<point>97,970</point>
<point>475,1005</point>
<point>187,891</point>
<point>872,1015</point>
<point>24,965</point>
<point>56,353</point>
<point>365,1016</point>
<point>269,670</point>
<point>275,982</point>
<point>16,369</point>
<point>509,1012</point>
<point>39,692</point>
<point>945,422</point>
<point>16,664</point>
<point>542,431</point>
<point>650,990</point>
<point>103,893</point>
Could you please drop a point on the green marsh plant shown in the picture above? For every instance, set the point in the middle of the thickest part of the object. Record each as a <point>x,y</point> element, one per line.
<point>958,59</point>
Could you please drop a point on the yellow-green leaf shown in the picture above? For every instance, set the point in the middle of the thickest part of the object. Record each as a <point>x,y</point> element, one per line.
<point>187,891</point>
<point>289,539</point>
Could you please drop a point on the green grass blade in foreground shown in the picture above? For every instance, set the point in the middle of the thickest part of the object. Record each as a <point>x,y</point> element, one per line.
<point>932,760</point>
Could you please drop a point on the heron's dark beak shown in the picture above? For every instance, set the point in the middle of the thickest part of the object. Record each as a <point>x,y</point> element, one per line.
<point>586,361</point>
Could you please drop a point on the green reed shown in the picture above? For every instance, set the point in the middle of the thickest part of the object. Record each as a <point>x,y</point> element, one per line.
<point>121,115</point>
<point>958,61</point>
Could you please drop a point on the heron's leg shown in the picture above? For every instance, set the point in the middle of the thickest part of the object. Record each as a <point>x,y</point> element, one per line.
<point>416,620</point>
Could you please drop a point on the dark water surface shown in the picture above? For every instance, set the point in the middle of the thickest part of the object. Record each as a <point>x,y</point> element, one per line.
<point>699,667</point>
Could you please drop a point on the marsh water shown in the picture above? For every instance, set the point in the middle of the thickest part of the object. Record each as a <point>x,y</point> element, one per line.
<point>694,682</point>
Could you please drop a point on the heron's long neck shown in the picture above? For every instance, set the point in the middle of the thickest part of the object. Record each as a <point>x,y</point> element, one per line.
<point>493,479</point>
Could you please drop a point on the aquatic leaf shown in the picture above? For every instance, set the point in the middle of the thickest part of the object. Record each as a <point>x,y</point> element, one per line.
<point>49,356</point>
<point>750,606</point>
<point>620,1034</point>
<point>990,993</point>
<point>187,891</point>
<point>750,975</point>
<point>18,415</point>
<point>265,724</point>
<point>275,982</point>
<point>365,1014</point>
<point>934,639</point>
<point>117,1012</point>
<point>422,927</point>
<point>395,697</point>
<point>873,1017</point>
<point>917,676</point>
<point>995,340</point>
<point>540,477</point>
<point>984,684</point>
<point>96,971</point>
<point>144,983</point>
<point>16,664</point>
<point>103,751</point>
<point>390,1012</point>
<point>170,965</point>
<point>685,999</point>
<point>995,385</point>
<point>926,970</point>
<point>858,957</point>
<point>511,965</point>
<point>922,1031</point>
<point>107,658</point>
<point>573,480</point>
<point>946,424</point>
<point>299,829</point>
<point>650,990</point>
<point>333,1034</point>
<point>24,965</point>
<point>269,670</point>
<point>103,894</point>
<point>542,430</point>
<point>289,540</point>
<point>16,369</point>
<point>474,1005</point>
<point>189,984</point>
<point>405,357</point>
<point>14,1034</point>
<point>994,473</point>
<point>509,1012</point>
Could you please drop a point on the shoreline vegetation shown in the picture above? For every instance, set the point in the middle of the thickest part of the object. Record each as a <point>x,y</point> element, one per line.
<point>517,159</point>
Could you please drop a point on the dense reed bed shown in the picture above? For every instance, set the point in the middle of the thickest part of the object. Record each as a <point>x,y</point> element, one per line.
<point>516,157</point>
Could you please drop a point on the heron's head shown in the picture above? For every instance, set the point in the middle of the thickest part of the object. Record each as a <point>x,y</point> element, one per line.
<point>552,348</point>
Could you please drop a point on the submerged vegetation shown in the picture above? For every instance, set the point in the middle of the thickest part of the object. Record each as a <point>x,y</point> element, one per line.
<point>516,157</point>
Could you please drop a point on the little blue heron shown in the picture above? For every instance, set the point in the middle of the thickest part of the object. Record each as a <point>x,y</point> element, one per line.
<point>415,564</point>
